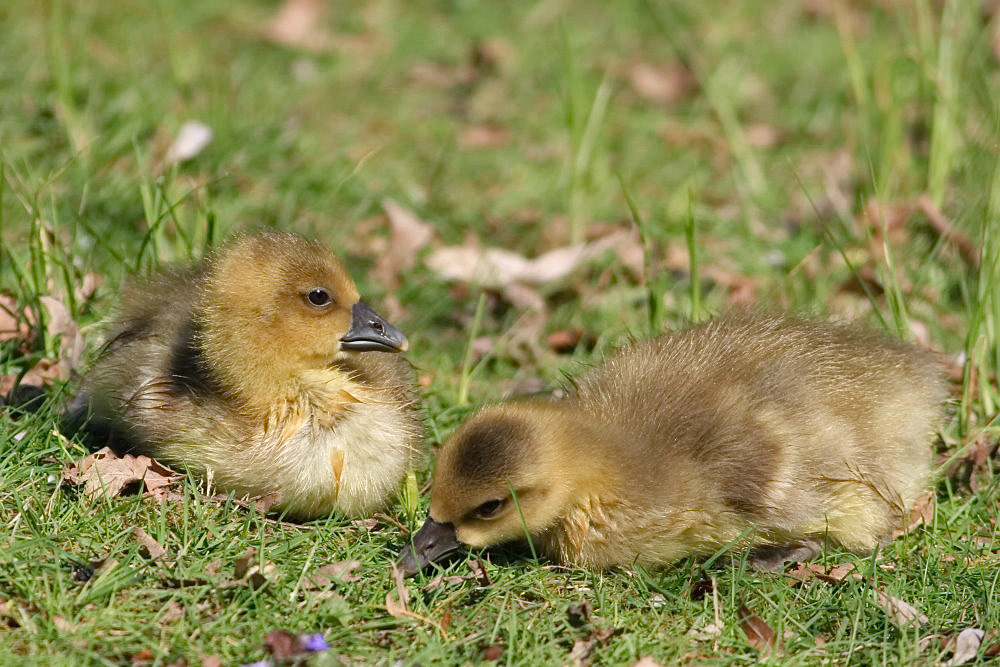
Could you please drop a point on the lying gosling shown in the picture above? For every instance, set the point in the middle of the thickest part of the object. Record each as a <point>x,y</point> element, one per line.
<point>261,370</point>
<point>763,431</point>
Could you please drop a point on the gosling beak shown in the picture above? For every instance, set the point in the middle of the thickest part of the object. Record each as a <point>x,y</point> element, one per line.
<point>432,543</point>
<point>370,333</point>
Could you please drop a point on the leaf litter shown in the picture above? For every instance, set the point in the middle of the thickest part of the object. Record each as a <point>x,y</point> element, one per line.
<point>107,473</point>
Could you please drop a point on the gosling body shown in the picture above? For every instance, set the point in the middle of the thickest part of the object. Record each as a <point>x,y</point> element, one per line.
<point>262,371</point>
<point>760,431</point>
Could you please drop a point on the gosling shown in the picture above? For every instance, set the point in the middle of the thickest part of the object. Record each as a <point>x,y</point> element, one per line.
<point>763,432</point>
<point>261,371</point>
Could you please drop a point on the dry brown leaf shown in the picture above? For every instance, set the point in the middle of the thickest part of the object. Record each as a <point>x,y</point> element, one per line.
<point>763,135</point>
<point>832,574</point>
<point>492,653</point>
<point>943,226</point>
<point>921,514</point>
<point>645,661</point>
<point>497,268</point>
<point>408,235</point>
<point>339,571</point>
<point>172,612</point>
<point>13,323</point>
<point>192,138</point>
<point>103,470</point>
<point>399,579</point>
<point>397,610</point>
<point>88,287</point>
<point>564,340</point>
<point>479,571</point>
<point>582,648</point>
<point>62,625</point>
<point>439,581</point>
<point>143,657</point>
<point>580,614</point>
<point>663,84</point>
<point>60,325</point>
<point>966,646</point>
<point>442,76</point>
<point>482,136</point>
<point>248,570</point>
<point>839,572</point>
<point>211,661</point>
<point>298,23</point>
<point>267,502</point>
<point>282,645</point>
<point>759,634</point>
<point>150,546</point>
<point>899,611</point>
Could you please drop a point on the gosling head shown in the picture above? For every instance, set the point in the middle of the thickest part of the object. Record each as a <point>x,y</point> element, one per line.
<point>274,306</point>
<point>507,473</point>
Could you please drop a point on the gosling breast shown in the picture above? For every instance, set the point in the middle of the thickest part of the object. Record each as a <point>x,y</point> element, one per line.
<point>261,370</point>
<point>764,431</point>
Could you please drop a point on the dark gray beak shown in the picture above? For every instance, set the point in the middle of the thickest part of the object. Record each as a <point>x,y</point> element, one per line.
<point>370,333</point>
<point>432,543</point>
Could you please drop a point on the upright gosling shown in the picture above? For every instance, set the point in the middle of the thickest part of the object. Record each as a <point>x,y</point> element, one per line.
<point>261,370</point>
<point>770,432</point>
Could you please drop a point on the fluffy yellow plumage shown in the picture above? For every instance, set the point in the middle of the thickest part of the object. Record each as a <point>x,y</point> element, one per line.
<point>776,431</point>
<point>261,370</point>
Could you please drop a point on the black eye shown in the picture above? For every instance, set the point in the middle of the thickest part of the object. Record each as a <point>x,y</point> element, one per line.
<point>488,509</point>
<point>319,297</point>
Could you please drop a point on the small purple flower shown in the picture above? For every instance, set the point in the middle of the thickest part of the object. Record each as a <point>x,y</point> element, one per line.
<point>313,642</point>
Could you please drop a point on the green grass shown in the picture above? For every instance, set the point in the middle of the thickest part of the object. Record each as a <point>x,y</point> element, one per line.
<point>758,176</point>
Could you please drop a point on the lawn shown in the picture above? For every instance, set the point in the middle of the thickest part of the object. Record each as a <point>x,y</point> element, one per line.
<point>837,158</point>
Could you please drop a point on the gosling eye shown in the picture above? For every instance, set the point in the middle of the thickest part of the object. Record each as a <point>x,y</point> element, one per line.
<point>319,297</point>
<point>489,509</point>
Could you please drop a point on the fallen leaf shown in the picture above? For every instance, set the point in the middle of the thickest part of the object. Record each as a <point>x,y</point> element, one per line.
<point>763,135</point>
<point>408,235</point>
<point>105,471</point>
<point>211,661</point>
<point>497,268</point>
<point>899,611</point>
<point>479,571</point>
<point>60,325</point>
<point>87,287</point>
<point>151,547</point>
<point>340,571</point>
<point>248,570</point>
<point>645,661</point>
<point>667,83</point>
<point>482,136</point>
<point>759,634</point>
<point>13,323</point>
<point>966,646</point>
<point>63,625</point>
<point>947,230</point>
<point>838,572</point>
<point>564,340</point>
<point>267,502</point>
<point>298,24</point>
<point>580,614</point>
<point>492,653</point>
<point>707,633</point>
<point>282,645</point>
<point>439,581</point>
<point>399,579</point>
<point>829,574</point>
<point>396,610</point>
<point>582,648</point>
<point>172,612</point>
<point>921,514</point>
